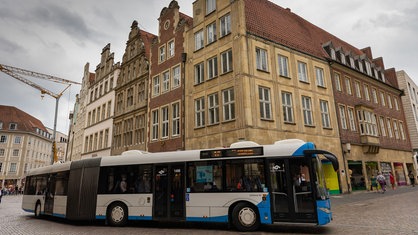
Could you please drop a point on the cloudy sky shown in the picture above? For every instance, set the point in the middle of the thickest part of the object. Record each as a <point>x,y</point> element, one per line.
<point>59,37</point>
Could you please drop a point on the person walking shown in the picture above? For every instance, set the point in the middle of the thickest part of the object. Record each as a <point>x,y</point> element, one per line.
<point>1,193</point>
<point>373,183</point>
<point>382,181</point>
<point>392,180</point>
<point>412,178</point>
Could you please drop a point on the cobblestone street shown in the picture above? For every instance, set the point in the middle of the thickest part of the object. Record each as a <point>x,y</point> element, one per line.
<point>395,212</point>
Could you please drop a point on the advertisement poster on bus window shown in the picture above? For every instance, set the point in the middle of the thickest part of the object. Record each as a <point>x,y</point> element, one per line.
<point>204,174</point>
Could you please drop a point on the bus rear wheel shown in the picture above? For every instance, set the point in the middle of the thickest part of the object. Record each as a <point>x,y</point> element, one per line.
<point>245,217</point>
<point>117,214</point>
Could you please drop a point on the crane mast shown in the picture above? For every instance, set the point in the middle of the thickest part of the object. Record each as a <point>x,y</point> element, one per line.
<point>17,74</point>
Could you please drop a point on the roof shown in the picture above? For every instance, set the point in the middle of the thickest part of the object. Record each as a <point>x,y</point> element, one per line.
<point>24,121</point>
<point>147,39</point>
<point>282,26</point>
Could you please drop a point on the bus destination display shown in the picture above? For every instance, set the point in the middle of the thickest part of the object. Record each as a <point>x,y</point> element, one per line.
<point>241,152</point>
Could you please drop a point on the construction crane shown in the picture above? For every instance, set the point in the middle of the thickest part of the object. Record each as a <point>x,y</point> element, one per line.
<point>17,74</point>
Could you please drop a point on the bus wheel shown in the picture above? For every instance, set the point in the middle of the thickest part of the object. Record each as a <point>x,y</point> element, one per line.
<point>245,217</point>
<point>38,210</point>
<point>117,214</point>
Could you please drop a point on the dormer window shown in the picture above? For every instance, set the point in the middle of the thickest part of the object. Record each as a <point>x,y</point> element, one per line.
<point>352,62</point>
<point>375,74</point>
<point>332,50</point>
<point>368,68</point>
<point>383,76</point>
<point>12,126</point>
<point>360,66</point>
<point>342,56</point>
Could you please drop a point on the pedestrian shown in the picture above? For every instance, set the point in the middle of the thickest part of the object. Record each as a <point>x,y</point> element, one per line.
<point>382,181</point>
<point>373,183</point>
<point>1,193</point>
<point>392,180</point>
<point>412,178</point>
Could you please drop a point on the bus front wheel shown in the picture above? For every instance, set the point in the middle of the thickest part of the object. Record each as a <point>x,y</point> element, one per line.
<point>117,214</point>
<point>38,210</point>
<point>245,217</point>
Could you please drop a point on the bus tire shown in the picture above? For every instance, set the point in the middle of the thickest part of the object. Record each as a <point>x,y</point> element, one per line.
<point>38,210</point>
<point>117,214</point>
<point>245,217</point>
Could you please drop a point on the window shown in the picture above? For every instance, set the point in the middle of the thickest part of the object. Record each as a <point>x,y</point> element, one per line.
<point>212,67</point>
<point>357,88</point>
<point>1,125</point>
<point>337,80</point>
<point>307,110</point>
<point>366,92</point>
<point>129,101</point>
<point>176,119</point>
<point>351,119</point>
<point>374,95</point>
<point>287,107</point>
<point>402,130</point>
<point>171,48</point>
<point>15,152</point>
<point>166,81</point>
<point>261,59</point>
<point>213,108</point>
<point>389,128</point>
<point>228,104</point>
<point>120,102</point>
<point>302,72</point>
<point>382,98</point>
<point>389,101</point>
<point>199,73</point>
<point>382,126</point>
<point>225,23</point>
<point>368,68</point>
<point>176,76</point>
<point>367,122</point>
<point>109,108</point>
<point>326,123</point>
<point>348,85</point>
<point>137,179</point>
<point>396,103</point>
<point>18,139</point>
<point>165,121</point>
<point>12,168</point>
<point>199,105</point>
<point>12,126</point>
<point>245,175</point>
<point>106,138</point>
<point>343,118</point>
<point>395,129</point>
<point>205,176</point>
<point>211,33</point>
<point>265,102</point>
<point>156,85</point>
<point>3,139</point>
<point>320,77</point>
<point>198,40</point>
<point>1,153</point>
<point>155,123</point>
<point>210,6</point>
<point>283,66</point>
<point>226,60</point>
<point>162,54</point>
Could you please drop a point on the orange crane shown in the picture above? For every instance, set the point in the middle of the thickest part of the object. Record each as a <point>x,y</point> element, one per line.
<point>18,73</point>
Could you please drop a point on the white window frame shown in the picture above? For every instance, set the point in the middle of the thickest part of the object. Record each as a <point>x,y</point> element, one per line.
<point>389,128</point>
<point>171,48</point>
<point>210,6</point>
<point>212,65</point>
<point>402,131</point>
<point>396,103</point>
<point>15,153</point>
<point>211,33</point>
<point>175,111</point>
<point>261,59</point>
<point>395,129</point>
<point>164,122</point>
<point>343,117</point>
<point>199,40</point>
<point>351,119</point>
<point>374,95</point>
<point>156,85</point>
<point>319,72</point>
<point>155,124</point>
<point>382,126</point>
<point>199,73</point>
<point>325,117</point>
<point>357,89</point>
<point>161,52</point>
<point>337,79</point>
<point>265,102</point>
<point>366,92</point>
<point>226,61</point>
<point>303,72</point>
<point>225,25</point>
<point>228,97</point>
<point>199,112</point>
<point>307,111</point>
<point>18,139</point>
<point>389,99</point>
<point>3,139</point>
<point>283,65</point>
<point>382,98</point>
<point>213,109</point>
<point>166,81</point>
<point>287,104</point>
<point>13,167</point>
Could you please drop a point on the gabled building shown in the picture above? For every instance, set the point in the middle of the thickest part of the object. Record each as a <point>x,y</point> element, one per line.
<point>100,107</point>
<point>25,143</point>
<point>166,101</point>
<point>131,93</point>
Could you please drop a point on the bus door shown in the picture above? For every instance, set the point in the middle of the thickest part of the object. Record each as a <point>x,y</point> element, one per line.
<point>49,195</point>
<point>291,187</point>
<point>169,203</point>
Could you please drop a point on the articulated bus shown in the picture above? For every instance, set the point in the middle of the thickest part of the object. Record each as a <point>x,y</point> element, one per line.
<point>245,185</point>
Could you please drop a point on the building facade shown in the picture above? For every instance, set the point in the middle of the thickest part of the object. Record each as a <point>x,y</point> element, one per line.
<point>78,118</point>
<point>100,107</point>
<point>131,92</point>
<point>166,101</point>
<point>25,143</point>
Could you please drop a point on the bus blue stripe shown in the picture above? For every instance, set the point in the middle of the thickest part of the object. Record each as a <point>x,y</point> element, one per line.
<point>264,209</point>
<point>299,151</point>
<point>220,219</point>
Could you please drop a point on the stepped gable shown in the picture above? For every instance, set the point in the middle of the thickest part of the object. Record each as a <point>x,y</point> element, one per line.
<point>24,121</point>
<point>272,22</point>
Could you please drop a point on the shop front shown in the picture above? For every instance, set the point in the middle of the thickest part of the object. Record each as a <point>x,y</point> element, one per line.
<point>357,179</point>
<point>399,173</point>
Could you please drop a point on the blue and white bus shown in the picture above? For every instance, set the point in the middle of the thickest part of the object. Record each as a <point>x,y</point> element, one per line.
<point>245,185</point>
